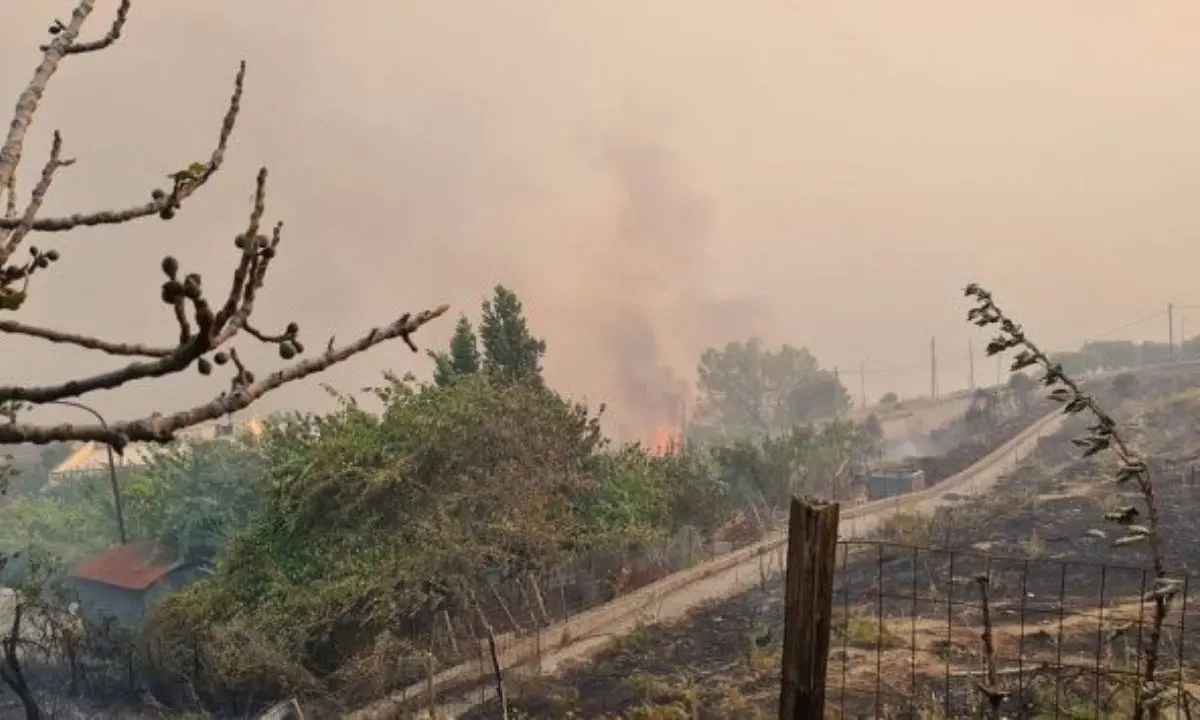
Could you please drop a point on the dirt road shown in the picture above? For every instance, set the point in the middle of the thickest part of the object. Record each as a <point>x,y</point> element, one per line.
<point>674,597</point>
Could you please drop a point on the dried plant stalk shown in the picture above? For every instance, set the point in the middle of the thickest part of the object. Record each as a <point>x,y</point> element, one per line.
<point>1102,435</point>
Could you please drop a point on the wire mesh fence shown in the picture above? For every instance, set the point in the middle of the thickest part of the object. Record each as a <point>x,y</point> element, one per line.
<point>923,632</point>
<point>917,632</point>
<point>546,643</point>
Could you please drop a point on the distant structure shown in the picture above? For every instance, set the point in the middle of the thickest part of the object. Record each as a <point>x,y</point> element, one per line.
<point>123,582</point>
<point>91,458</point>
<point>894,482</point>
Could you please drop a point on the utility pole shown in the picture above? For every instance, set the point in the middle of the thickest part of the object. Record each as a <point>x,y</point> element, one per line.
<point>971,363</point>
<point>862,382</point>
<point>999,367</point>
<point>114,482</point>
<point>933,378</point>
<point>1171,330</point>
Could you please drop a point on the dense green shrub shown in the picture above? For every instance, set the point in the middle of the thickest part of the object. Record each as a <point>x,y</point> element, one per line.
<point>369,517</point>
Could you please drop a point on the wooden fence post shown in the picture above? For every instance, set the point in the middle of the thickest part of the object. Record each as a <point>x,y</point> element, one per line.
<point>811,559</point>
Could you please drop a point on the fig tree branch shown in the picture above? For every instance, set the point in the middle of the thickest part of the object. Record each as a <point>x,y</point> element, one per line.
<point>11,327</point>
<point>162,428</point>
<point>31,95</point>
<point>163,204</point>
<point>211,329</point>
<point>12,238</point>
<point>113,34</point>
<point>205,329</point>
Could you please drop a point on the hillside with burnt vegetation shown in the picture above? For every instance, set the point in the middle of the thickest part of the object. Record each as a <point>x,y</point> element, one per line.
<point>907,604</point>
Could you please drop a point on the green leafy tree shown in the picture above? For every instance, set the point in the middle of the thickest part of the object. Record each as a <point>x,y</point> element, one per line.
<point>69,521</point>
<point>463,358</point>
<point>871,439</point>
<point>747,390</point>
<point>836,451</point>
<point>630,503</point>
<point>764,474</point>
<point>444,487</point>
<point>511,353</point>
<point>819,396</point>
<point>769,471</point>
<point>194,496</point>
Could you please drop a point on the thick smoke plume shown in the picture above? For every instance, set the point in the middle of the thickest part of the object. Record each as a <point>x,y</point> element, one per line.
<point>637,304</point>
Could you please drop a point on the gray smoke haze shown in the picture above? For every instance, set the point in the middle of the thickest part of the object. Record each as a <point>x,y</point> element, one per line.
<point>633,289</point>
<point>650,176</point>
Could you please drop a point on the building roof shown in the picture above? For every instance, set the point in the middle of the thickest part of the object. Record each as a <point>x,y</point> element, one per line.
<point>93,456</point>
<point>134,566</point>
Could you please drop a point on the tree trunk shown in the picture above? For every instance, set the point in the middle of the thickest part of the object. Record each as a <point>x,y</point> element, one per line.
<point>11,671</point>
<point>18,685</point>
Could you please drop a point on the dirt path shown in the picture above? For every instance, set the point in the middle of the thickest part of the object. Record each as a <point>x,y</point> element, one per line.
<point>660,604</point>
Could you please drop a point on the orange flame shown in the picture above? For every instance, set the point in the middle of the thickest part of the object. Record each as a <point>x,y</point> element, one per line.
<point>663,441</point>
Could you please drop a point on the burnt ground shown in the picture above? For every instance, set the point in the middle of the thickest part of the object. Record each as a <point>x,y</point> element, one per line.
<point>1065,608</point>
<point>973,449</point>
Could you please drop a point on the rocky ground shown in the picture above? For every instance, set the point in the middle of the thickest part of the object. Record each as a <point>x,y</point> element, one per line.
<point>1065,614</point>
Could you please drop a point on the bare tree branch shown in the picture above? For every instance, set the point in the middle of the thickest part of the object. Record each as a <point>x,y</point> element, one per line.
<point>10,207</point>
<point>203,327</point>
<point>30,97</point>
<point>262,336</point>
<point>249,242</point>
<point>162,428</point>
<point>162,204</point>
<point>11,327</point>
<point>25,223</point>
<point>191,345</point>
<point>114,33</point>
<point>178,360</point>
<point>212,330</point>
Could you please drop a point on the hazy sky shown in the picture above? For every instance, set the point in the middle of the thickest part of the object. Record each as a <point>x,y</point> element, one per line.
<point>650,176</point>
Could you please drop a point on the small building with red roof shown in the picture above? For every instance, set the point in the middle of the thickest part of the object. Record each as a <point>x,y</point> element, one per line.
<point>124,581</point>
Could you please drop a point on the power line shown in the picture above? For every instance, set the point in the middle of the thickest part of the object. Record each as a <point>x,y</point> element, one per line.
<point>862,370</point>
<point>1126,326</point>
<point>879,371</point>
